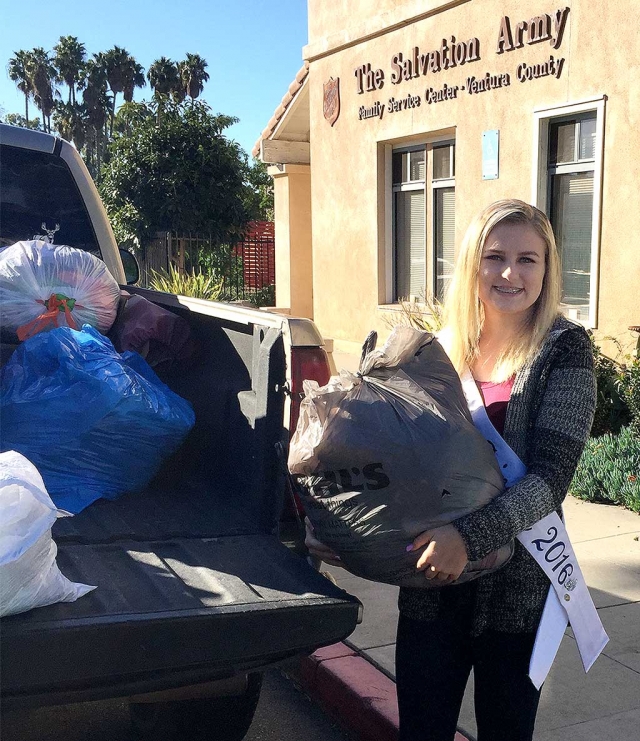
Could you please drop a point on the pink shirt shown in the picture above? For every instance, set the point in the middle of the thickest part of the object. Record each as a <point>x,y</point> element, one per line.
<point>496,397</point>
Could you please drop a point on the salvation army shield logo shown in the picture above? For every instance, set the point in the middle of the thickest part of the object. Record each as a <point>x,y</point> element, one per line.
<point>331,100</point>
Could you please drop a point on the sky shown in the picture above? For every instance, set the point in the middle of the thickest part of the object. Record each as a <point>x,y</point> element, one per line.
<point>253,47</point>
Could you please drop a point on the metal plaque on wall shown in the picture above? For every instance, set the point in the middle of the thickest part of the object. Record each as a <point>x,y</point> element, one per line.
<point>490,154</point>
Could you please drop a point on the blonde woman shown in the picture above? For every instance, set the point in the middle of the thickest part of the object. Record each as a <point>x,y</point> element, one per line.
<point>534,370</point>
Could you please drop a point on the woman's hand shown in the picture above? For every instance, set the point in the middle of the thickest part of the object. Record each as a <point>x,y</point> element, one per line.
<point>318,549</point>
<point>445,556</point>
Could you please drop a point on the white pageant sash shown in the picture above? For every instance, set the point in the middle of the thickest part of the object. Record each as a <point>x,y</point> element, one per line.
<point>548,543</point>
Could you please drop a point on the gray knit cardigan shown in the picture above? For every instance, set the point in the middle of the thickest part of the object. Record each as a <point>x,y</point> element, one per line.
<point>549,416</point>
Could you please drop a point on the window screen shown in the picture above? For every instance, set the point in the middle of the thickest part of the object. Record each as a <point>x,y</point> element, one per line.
<point>572,147</point>
<point>445,225</point>
<point>411,265</point>
<point>572,217</point>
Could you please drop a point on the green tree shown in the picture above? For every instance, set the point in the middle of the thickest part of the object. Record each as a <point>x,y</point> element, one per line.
<point>181,174</point>
<point>70,121</point>
<point>20,72</point>
<point>259,191</point>
<point>70,57</point>
<point>130,115</point>
<point>193,75</point>
<point>15,119</point>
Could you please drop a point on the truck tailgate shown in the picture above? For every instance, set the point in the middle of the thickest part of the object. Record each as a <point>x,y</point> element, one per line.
<point>170,612</point>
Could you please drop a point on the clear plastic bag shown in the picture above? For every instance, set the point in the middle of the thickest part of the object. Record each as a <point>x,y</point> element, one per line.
<point>388,453</point>
<point>43,286</point>
<point>29,574</point>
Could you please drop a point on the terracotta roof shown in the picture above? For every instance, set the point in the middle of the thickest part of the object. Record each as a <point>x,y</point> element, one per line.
<point>284,104</point>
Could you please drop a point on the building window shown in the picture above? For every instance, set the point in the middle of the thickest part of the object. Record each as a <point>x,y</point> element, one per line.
<point>572,151</point>
<point>569,175</point>
<point>416,171</point>
<point>444,216</point>
<point>409,220</point>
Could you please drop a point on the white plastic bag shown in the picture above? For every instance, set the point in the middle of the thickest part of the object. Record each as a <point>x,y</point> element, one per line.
<point>29,575</point>
<point>43,286</point>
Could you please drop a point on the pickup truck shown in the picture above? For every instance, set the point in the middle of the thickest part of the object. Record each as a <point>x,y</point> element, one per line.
<point>201,583</point>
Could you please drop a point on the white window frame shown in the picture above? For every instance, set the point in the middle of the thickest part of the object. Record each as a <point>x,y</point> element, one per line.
<point>389,211</point>
<point>449,182</point>
<point>539,183</point>
<point>412,185</point>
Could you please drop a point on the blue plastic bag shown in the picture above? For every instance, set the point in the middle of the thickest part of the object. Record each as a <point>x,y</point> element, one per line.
<point>94,423</point>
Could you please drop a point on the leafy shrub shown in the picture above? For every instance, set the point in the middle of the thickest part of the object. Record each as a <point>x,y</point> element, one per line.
<point>196,285</point>
<point>611,409</point>
<point>265,296</point>
<point>609,470</point>
<point>628,386</point>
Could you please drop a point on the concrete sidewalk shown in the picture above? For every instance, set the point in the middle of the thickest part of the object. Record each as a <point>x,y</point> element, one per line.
<point>354,680</point>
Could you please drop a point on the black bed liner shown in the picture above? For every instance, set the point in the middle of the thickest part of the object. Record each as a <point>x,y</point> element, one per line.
<point>187,592</point>
<point>163,611</point>
<point>192,509</point>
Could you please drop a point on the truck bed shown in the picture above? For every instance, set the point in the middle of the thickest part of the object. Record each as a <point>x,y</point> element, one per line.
<point>193,584</point>
<point>192,581</point>
<point>169,613</point>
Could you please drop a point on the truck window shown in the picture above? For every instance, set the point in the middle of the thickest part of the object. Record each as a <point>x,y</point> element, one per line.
<point>38,195</point>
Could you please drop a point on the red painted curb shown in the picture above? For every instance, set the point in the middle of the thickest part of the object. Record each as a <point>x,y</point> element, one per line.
<point>352,691</point>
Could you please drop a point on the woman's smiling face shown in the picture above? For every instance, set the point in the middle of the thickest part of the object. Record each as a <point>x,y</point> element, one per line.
<point>512,269</point>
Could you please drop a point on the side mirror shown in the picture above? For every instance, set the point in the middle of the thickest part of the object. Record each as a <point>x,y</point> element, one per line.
<point>130,265</point>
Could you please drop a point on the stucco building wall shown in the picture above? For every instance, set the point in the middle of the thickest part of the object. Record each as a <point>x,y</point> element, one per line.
<point>349,174</point>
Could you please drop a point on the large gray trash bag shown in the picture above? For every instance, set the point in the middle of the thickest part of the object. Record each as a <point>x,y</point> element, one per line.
<point>388,453</point>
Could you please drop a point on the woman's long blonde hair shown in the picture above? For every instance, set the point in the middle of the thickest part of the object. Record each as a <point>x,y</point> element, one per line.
<point>464,313</point>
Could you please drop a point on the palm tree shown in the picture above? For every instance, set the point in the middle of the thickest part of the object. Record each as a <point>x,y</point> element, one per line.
<point>163,76</point>
<point>178,93</point>
<point>133,78</point>
<point>97,107</point>
<point>43,75</point>
<point>70,57</point>
<point>117,61</point>
<point>164,79</point>
<point>70,121</point>
<point>194,75</point>
<point>18,69</point>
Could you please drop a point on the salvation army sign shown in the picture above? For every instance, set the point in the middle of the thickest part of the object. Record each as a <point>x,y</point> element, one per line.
<point>453,54</point>
<point>331,100</point>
